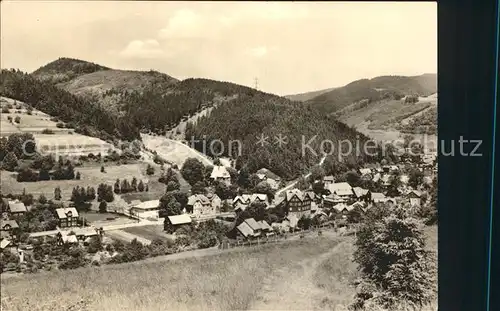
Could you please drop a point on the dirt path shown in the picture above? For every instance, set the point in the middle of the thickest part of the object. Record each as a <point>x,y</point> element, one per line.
<point>293,288</point>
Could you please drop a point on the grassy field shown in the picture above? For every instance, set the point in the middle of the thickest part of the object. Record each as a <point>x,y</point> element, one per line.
<point>90,176</point>
<point>151,232</point>
<point>231,281</point>
<point>306,274</point>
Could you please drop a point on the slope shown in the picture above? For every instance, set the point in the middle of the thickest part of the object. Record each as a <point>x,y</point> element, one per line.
<point>302,97</point>
<point>65,69</point>
<point>376,89</point>
<point>251,128</point>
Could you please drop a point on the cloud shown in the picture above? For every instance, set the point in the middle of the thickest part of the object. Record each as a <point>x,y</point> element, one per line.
<point>142,49</point>
<point>265,11</point>
<point>184,23</point>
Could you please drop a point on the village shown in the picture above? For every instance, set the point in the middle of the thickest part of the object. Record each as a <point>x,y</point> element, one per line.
<point>221,213</point>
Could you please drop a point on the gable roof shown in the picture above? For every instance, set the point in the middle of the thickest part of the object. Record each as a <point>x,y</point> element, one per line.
<point>180,219</point>
<point>264,225</point>
<point>340,188</point>
<point>340,207</point>
<point>359,192</point>
<point>301,195</point>
<point>245,229</point>
<point>268,174</point>
<point>250,198</point>
<point>11,223</point>
<point>17,207</point>
<point>219,171</point>
<point>415,192</point>
<point>62,212</point>
<point>148,204</point>
<point>252,223</point>
<point>4,243</point>
<point>198,198</point>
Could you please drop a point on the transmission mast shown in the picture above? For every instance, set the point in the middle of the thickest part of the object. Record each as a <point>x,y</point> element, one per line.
<point>256,83</point>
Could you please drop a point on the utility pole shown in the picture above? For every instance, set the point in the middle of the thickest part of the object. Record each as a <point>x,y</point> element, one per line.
<point>256,83</point>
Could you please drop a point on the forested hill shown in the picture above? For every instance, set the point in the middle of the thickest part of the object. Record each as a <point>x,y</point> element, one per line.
<point>247,118</point>
<point>86,117</point>
<point>65,69</point>
<point>376,89</point>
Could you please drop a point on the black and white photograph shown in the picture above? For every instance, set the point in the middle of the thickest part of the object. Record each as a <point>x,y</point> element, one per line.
<point>169,155</point>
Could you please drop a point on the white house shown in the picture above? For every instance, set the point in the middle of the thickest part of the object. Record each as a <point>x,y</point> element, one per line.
<point>148,209</point>
<point>220,173</point>
<point>342,189</point>
<point>204,205</point>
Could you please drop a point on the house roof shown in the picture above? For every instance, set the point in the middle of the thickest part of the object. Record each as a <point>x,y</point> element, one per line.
<point>261,176</point>
<point>245,229</point>
<point>264,225</point>
<point>63,212</point>
<point>329,178</point>
<point>253,224</point>
<point>198,198</point>
<point>376,177</point>
<point>340,207</point>
<point>180,219</point>
<point>4,243</point>
<point>148,204</point>
<point>359,192</point>
<point>69,238</point>
<point>86,231</point>
<point>12,223</point>
<point>340,188</point>
<point>415,192</point>
<point>219,171</point>
<point>301,195</point>
<point>378,196</point>
<point>17,207</point>
<point>268,174</point>
<point>365,171</point>
<point>250,198</point>
<point>333,198</point>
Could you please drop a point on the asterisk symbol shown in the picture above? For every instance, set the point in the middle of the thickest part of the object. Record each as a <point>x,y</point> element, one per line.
<point>262,140</point>
<point>280,140</point>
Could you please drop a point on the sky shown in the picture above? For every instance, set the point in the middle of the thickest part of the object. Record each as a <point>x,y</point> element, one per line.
<point>290,47</point>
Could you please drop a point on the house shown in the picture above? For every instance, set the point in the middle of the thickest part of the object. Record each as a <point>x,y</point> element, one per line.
<point>147,209</point>
<point>179,220</point>
<point>241,202</point>
<point>342,189</point>
<point>328,180</point>
<point>376,177</point>
<point>8,225</point>
<point>332,199</point>
<point>16,208</point>
<point>200,204</point>
<point>271,178</point>
<point>68,217</point>
<point>378,197</point>
<point>220,173</point>
<point>297,202</point>
<point>265,228</point>
<point>386,179</point>
<point>415,197</point>
<point>361,194</point>
<point>85,233</point>
<point>249,228</point>
<point>341,208</point>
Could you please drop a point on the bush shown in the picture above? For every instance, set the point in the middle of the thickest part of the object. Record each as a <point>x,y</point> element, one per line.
<point>17,119</point>
<point>47,131</point>
<point>5,110</point>
<point>150,170</point>
<point>60,125</point>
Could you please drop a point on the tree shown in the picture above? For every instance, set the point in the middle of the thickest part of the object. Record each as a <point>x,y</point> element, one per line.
<point>105,193</point>
<point>393,188</point>
<point>302,184</point>
<point>57,193</point>
<point>150,170</point>
<point>317,173</point>
<point>77,177</point>
<point>172,185</point>
<point>416,178</point>
<point>193,171</point>
<point>91,195</point>
<point>133,185</point>
<point>17,119</point>
<point>140,186</point>
<point>217,162</point>
<point>198,188</point>
<point>102,169</point>
<point>244,178</point>
<point>395,267</point>
<point>116,188</point>
<point>103,206</point>
<point>42,199</point>
<point>10,162</point>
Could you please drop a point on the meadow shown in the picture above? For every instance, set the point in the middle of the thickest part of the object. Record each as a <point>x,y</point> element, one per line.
<point>90,177</point>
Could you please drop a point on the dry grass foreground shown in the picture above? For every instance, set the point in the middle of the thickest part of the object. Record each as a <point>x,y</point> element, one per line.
<point>237,280</point>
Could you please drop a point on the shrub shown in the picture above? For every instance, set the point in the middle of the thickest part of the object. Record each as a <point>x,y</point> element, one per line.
<point>150,170</point>
<point>47,131</point>
<point>60,125</point>
<point>17,119</point>
<point>5,110</point>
